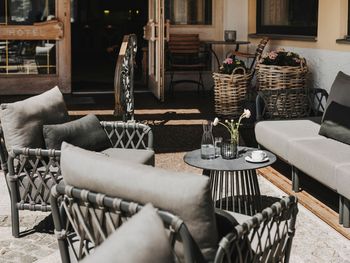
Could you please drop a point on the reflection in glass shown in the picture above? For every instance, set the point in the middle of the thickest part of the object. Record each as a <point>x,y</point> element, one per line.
<point>289,12</point>
<point>189,12</point>
<point>27,57</point>
<point>27,12</point>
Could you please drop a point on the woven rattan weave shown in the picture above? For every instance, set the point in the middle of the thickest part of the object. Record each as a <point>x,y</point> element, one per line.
<point>230,92</point>
<point>285,79</point>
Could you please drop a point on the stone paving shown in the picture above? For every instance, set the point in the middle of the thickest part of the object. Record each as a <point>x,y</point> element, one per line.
<point>315,241</point>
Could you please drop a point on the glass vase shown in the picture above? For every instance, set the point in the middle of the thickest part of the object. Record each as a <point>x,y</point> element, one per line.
<point>207,144</point>
<point>229,150</point>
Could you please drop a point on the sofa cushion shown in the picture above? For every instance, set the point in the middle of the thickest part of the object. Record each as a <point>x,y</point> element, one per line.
<point>141,239</point>
<point>185,195</point>
<point>141,156</point>
<point>277,135</point>
<point>340,90</point>
<point>319,158</point>
<point>23,121</point>
<point>336,123</point>
<point>85,132</point>
<point>343,179</point>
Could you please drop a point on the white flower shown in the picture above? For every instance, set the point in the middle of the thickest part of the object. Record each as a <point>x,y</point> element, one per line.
<point>216,121</point>
<point>247,113</point>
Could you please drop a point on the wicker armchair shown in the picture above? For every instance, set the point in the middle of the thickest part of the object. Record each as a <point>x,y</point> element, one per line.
<point>87,211</point>
<point>84,220</point>
<point>275,104</point>
<point>31,173</point>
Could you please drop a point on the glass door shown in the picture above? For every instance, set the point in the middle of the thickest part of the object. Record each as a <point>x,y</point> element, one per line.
<point>155,33</point>
<point>34,46</point>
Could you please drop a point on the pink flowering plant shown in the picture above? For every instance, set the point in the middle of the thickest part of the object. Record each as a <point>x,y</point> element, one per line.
<point>229,64</point>
<point>281,57</point>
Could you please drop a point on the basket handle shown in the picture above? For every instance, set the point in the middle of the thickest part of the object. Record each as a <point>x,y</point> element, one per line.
<point>242,68</point>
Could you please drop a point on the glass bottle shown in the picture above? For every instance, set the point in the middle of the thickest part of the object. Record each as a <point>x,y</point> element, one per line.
<point>207,144</point>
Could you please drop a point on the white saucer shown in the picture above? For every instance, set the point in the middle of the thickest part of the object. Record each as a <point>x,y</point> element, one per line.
<point>249,159</point>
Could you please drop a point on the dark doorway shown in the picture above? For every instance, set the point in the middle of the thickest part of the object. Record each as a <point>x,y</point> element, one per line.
<point>98,28</point>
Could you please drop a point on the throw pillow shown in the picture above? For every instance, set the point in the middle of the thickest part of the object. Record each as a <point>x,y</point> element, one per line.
<point>340,90</point>
<point>336,123</point>
<point>140,239</point>
<point>23,121</point>
<point>85,132</point>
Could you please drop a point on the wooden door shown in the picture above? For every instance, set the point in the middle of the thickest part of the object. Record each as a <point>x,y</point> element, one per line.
<point>156,34</point>
<point>35,49</point>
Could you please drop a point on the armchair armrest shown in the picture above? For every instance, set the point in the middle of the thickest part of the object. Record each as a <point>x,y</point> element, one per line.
<point>129,134</point>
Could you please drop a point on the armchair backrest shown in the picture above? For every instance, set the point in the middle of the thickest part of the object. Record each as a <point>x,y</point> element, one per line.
<point>95,216</point>
<point>266,237</point>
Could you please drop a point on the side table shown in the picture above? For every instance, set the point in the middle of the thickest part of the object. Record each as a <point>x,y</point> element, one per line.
<point>234,183</point>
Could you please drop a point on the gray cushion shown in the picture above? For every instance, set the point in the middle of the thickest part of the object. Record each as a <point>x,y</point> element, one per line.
<point>319,158</point>
<point>336,123</point>
<point>278,135</point>
<point>340,90</point>
<point>23,121</point>
<point>141,156</point>
<point>85,132</point>
<point>183,194</point>
<point>140,239</point>
<point>343,179</point>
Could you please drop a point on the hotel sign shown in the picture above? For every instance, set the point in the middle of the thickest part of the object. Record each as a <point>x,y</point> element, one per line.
<point>50,30</point>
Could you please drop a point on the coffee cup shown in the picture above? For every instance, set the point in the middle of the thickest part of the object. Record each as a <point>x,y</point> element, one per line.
<point>258,155</point>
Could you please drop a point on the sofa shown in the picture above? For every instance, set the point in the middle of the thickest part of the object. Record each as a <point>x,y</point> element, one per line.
<point>304,144</point>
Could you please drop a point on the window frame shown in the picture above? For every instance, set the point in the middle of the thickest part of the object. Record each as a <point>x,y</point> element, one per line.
<point>284,30</point>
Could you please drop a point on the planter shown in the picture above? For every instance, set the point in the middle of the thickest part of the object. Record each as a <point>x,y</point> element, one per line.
<point>230,92</point>
<point>284,87</point>
<point>228,150</point>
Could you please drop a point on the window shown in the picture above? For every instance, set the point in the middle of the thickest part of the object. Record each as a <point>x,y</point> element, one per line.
<point>189,12</point>
<point>287,17</point>
<point>26,57</point>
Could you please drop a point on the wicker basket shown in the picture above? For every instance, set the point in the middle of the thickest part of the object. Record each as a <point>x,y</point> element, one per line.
<point>279,78</point>
<point>230,92</point>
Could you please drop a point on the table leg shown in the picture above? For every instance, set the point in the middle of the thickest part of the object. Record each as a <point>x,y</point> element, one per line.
<point>236,191</point>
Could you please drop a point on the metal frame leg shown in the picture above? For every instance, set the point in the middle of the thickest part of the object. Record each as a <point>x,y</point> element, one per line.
<point>295,179</point>
<point>341,209</point>
<point>346,212</point>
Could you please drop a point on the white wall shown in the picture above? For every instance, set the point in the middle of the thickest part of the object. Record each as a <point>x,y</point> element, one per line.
<point>236,17</point>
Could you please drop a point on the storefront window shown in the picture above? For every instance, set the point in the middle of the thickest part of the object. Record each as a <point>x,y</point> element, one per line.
<point>189,12</point>
<point>287,17</point>
<point>26,56</point>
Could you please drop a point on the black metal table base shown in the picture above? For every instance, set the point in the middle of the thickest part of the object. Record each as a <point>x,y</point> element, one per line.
<point>236,191</point>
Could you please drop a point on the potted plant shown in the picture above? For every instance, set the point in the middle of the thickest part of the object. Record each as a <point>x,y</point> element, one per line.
<point>229,147</point>
<point>230,89</point>
<point>281,77</point>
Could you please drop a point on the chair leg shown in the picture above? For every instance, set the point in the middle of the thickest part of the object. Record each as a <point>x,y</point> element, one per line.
<point>346,212</point>
<point>341,209</point>
<point>171,86</point>
<point>14,209</point>
<point>295,179</point>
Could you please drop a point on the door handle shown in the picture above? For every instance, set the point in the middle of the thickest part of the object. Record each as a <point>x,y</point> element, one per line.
<point>149,31</point>
<point>167,30</point>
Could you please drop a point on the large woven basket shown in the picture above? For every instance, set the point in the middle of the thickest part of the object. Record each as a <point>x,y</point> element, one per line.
<point>230,92</point>
<point>284,79</point>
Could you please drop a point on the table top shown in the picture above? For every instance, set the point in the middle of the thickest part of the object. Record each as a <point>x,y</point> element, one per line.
<point>223,42</point>
<point>193,158</point>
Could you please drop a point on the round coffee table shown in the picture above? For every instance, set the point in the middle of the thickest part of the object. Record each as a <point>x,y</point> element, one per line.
<point>234,183</point>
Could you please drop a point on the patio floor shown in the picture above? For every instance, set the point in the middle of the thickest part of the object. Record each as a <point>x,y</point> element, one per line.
<point>177,129</point>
